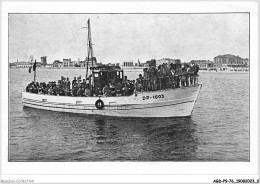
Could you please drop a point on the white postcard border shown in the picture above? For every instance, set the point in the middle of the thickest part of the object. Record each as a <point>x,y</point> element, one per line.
<point>131,171</point>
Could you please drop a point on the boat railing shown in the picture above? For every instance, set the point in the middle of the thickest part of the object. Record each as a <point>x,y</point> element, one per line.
<point>173,81</point>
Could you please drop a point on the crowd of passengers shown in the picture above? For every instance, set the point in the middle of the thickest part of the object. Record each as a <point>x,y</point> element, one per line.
<point>154,78</point>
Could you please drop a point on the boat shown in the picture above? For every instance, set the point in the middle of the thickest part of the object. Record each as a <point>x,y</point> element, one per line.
<point>171,102</point>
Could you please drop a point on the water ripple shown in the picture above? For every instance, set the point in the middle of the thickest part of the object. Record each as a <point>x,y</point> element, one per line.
<point>217,131</point>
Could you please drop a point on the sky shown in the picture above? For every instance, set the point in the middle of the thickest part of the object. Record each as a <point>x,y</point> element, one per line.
<point>120,37</point>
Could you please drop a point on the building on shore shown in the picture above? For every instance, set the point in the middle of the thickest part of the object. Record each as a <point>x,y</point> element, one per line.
<point>68,63</point>
<point>127,63</point>
<point>229,60</point>
<point>204,64</point>
<point>72,64</point>
<point>138,64</point>
<point>57,63</point>
<point>23,64</point>
<point>89,63</point>
<point>38,64</point>
<point>49,65</point>
<point>154,62</point>
<point>167,61</point>
<point>44,60</point>
<point>131,64</point>
<point>82,63</point>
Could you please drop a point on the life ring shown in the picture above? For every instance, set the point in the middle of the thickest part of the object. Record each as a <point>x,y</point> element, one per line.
<point>99,104</point>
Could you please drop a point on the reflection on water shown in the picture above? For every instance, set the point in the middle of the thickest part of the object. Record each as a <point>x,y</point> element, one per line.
<point>62,136</point>
<point>218,130</point>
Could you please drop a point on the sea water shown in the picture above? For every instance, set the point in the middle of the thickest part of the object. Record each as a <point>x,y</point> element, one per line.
<point>218,129</point>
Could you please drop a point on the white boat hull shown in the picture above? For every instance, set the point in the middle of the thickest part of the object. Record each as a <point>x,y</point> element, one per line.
<point>163,103</point>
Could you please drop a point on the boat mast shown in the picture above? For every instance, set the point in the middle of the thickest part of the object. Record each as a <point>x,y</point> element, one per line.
<point>90,52</point>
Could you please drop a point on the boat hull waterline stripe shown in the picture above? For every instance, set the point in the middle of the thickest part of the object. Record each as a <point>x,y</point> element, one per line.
<point>48,106</point>
<point>81,104</point>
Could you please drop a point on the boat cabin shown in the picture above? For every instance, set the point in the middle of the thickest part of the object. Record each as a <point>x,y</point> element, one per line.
<point>103,75</point>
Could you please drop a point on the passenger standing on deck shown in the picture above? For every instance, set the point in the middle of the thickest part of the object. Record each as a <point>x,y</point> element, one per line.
<point>63,80</point>
<point>92,92</point>
<point>80,91</point>
<point>83,83</point>
<point>173,71</point>
<point>145,79</point>
<point>168,76</point>
<point>178,74</point>
<point>118,88</point>
<point>54,89</point>
<point>87,92</point>
<point>99,92</point>
<point>36,87</point>
<point>50,90</point>
<point>184,76</point>
<point>74,81</point>
<point>112,89</point>
<point>138,86</point>
<point>40,89</point>
<point>186,67</point>
<point>105,90</point>
<point>27,88</point>
<point>161,76</point>
<point>74,90</point>
<point>164,76</point>
<point>31,88</point>
<point>131,85</point>
<point>44,89</point>
<point>125,90</point>
<point>139,82</point>
<point>194,70</point>
<point>58,90</point>
<point>140,79</point>
<point>153,77</point>
<point>67,87</point>
<point>190,73</point>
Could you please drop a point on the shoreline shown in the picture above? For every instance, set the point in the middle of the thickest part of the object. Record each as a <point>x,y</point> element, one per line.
<point>128,69</point>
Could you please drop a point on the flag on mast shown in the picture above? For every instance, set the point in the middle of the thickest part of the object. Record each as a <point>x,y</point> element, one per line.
<point>34,66</point>
<point>34,69</point>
